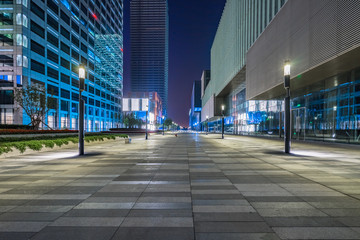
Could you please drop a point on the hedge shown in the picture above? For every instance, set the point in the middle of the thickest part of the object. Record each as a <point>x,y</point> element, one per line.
<point>38,144</point>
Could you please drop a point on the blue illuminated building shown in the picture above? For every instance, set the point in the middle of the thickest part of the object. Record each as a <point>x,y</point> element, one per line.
<point>44,41</point>
<point>195,110</point>
<point>149,37</point>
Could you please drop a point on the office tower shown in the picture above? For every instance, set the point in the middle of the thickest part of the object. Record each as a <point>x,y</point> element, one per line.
<point>149,47</point>
<point>44,41</point>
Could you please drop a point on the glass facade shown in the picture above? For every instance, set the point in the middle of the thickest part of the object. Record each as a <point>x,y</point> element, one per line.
<point>149,47</point>
<point>330,111</point>
<point>44,42</point>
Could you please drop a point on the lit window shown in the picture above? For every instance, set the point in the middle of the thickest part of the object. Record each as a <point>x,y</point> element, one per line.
<point>25,21</point>
<point>25,3</point>
<point>19,39</point>
<point>25,41</point>
<point>18,19</point>
<point>19,60</point>
<point>25,62</point>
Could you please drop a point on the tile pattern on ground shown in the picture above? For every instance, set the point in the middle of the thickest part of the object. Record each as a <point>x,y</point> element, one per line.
<point>183,188</point>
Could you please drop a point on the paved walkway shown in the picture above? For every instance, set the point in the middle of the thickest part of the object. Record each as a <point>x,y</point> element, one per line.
<point>189,187</point>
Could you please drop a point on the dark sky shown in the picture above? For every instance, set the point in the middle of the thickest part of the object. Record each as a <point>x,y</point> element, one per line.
<point>192,27</point>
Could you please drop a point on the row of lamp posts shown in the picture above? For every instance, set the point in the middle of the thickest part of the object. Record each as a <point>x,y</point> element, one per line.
<point>287,128</point>
<point>287,137</point>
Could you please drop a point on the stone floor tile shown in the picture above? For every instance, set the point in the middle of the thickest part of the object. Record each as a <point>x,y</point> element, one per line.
<point>158,222</point>
<point>316,233</point>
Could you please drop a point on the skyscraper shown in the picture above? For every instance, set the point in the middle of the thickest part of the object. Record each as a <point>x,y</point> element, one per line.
<point>44,41</point>
<point>149,47</point>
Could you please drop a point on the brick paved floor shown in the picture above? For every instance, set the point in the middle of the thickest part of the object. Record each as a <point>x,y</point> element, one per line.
<point>189,187</point>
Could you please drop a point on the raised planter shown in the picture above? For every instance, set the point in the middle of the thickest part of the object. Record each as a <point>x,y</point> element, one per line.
<point>70,145</point>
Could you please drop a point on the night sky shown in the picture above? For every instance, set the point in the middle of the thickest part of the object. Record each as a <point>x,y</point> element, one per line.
<point>193,24</point>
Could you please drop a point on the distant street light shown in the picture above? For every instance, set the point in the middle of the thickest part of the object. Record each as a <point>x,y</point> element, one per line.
<point>222,121</point>
<point>287,106</point>
<point>81,109</point>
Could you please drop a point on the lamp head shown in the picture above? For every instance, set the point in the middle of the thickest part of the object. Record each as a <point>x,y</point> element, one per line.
<point>81,72</point>
<point>287,68</point>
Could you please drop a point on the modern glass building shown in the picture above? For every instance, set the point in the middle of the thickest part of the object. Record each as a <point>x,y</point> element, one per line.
<point>149,33</point>
<point>44,41</point>
<point>255,38</point>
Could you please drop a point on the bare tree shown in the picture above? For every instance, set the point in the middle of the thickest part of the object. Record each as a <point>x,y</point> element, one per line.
<point>33,100</point>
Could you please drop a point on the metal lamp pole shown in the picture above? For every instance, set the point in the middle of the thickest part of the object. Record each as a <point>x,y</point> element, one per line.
<point>207,125</point>
<point>222,121</point>
<point>81,109</point>
<point>146,120</point>
<point>287,134</point>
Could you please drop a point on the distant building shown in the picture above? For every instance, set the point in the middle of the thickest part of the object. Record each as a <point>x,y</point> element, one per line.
<point>149,33</point>
<point>195,110</point>
<point>138,102</point>
<point>44,42</point>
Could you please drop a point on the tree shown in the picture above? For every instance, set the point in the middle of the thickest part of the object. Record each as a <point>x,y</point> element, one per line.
<point>168,122</point>
<point>139,123</point>
<point>129,120</point>
<point>35,103</point>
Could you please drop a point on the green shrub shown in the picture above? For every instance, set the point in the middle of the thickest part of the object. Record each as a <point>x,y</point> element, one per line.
<point>38,143</point>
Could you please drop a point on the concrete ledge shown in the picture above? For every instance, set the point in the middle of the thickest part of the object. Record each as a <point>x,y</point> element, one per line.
<point>70,145</point>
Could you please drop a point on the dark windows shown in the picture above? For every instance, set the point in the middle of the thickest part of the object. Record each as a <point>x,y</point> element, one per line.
<point>52,56</point>
<point>64,17</point>
<point>84,35</point>
<point>65,94</point>
<point>75,55</point>
<point>35,47</point>
<point>53,90</point>
<point>37,29</point>
<point>53,6</point>
<point>64,106</point>
<point>6,97</point>
<point>52,39</point>
<point>65,63</point>
<point>38,11</point>
<point>65,78</point>
<point>37,67</point>
<point>6,40</point>
<point>84,47</point>
<point>74,82</point>
<point>74,26</point>
<point>52,73</point>
<point>52,22</point>
<point>65,48</point>
<point>6,60</point>
<point>65,32</point>
<point>75,40</point>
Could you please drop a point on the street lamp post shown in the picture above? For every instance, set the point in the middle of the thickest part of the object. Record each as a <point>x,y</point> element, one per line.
<point>163,118</point>
<point>207,125</point>
<point>287,137</point>
<point>222,121</point>
<point>146,120</point>
<point>81,109</point>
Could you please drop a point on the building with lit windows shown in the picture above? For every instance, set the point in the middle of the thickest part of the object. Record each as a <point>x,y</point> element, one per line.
<point>255,38</point>
<point>140,102</point>
<point>149,36</point>
<point>44,41</point>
